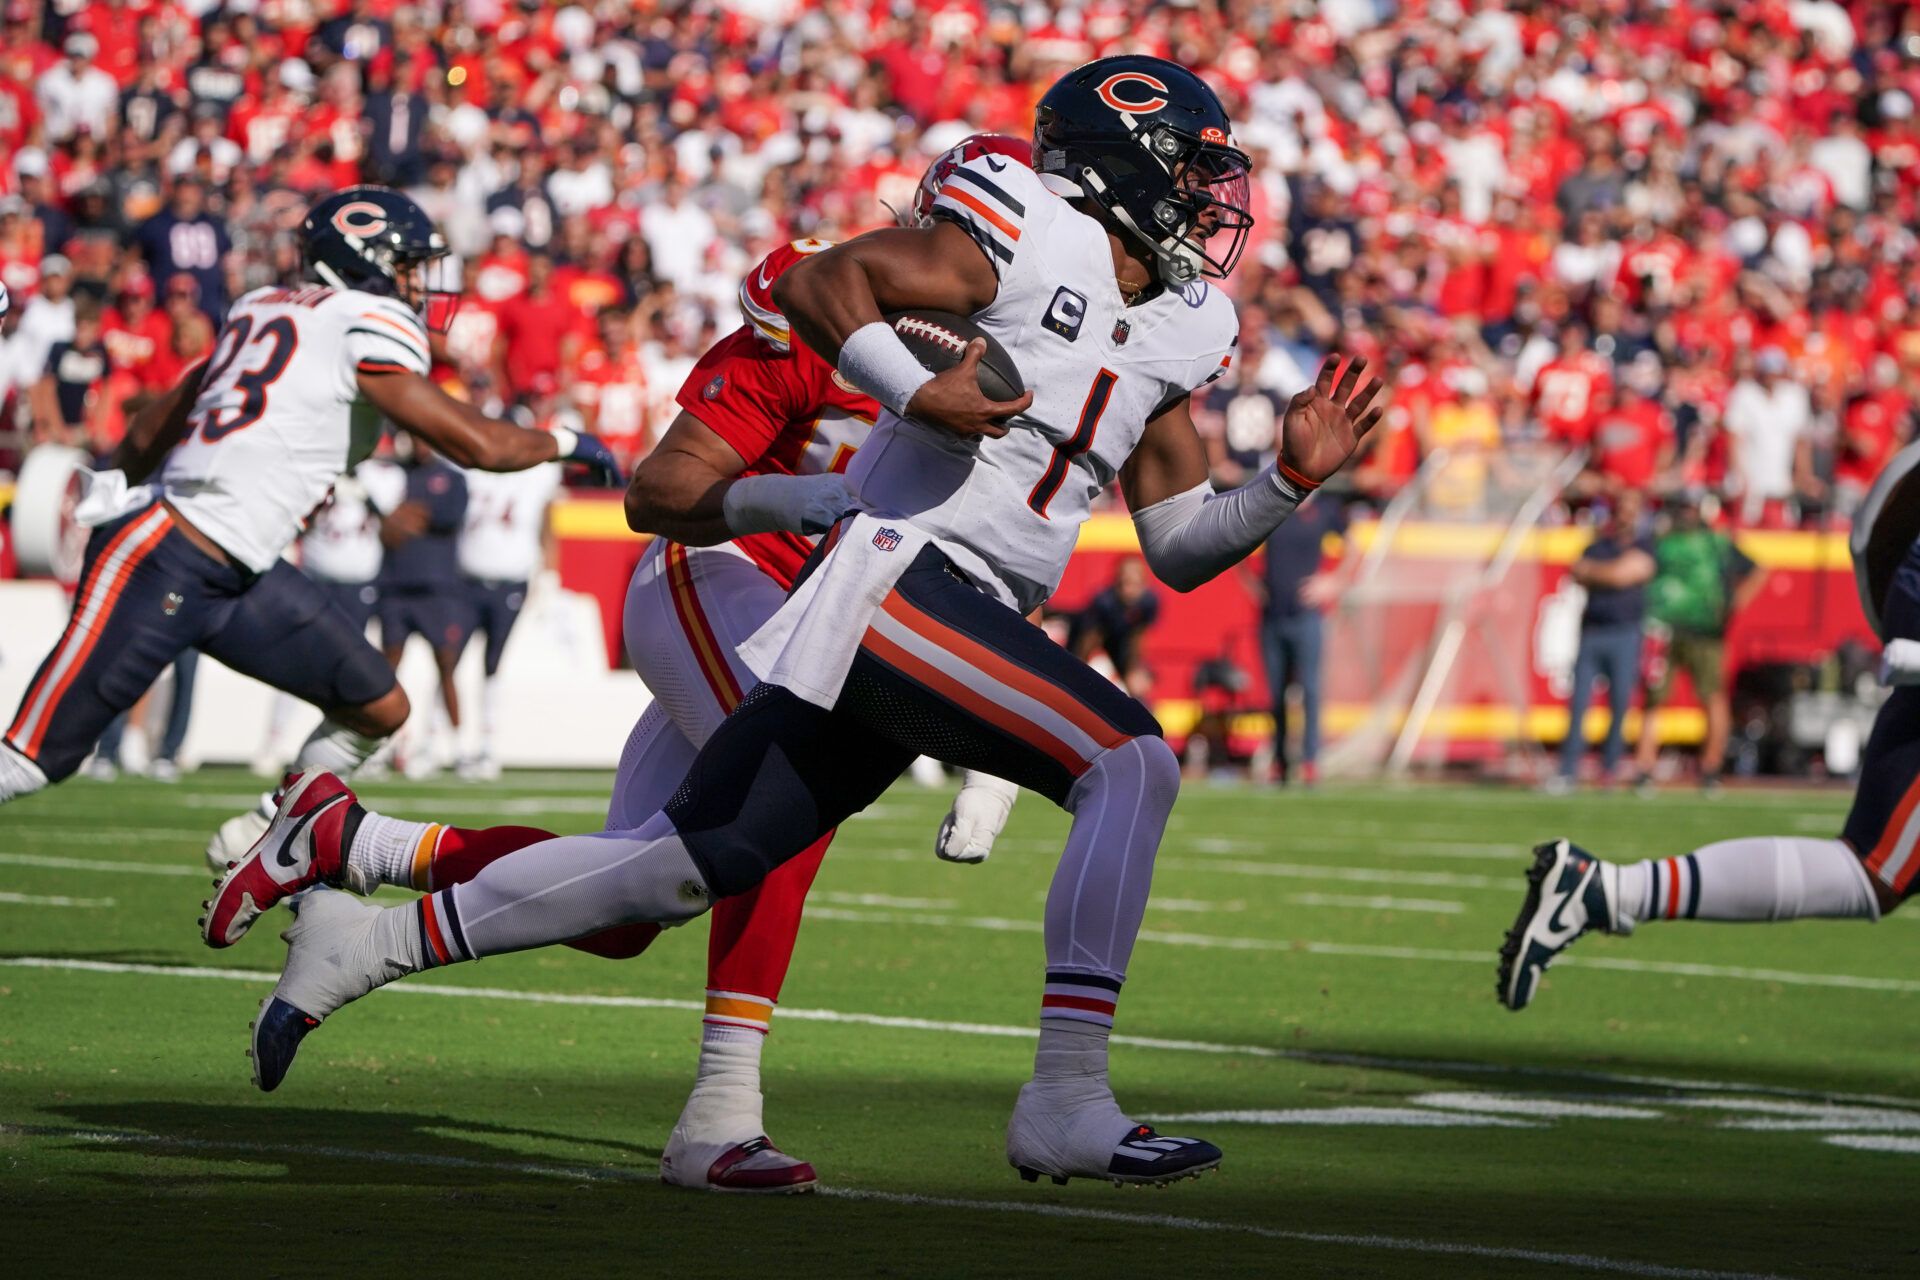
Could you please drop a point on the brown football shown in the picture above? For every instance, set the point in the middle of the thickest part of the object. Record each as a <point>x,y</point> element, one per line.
<point>938,339</point>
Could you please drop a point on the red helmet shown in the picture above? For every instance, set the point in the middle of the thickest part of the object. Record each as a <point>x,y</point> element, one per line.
<point>969,148</point>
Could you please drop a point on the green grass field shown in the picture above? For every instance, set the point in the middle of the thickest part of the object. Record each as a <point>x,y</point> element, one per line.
<point>1694,1100</point>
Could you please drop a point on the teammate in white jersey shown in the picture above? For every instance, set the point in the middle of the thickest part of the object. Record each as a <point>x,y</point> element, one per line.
<point>503,546</point>
<point>239,454</point>
<point>904,635</point>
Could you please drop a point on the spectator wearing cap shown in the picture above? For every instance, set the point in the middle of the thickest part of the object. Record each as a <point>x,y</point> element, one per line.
<point>185,239</point>
<point>47,318</point>
<point>1614,569</point>
<point>1768,417</point>
<point>75,95</point>
<point>31,167</point>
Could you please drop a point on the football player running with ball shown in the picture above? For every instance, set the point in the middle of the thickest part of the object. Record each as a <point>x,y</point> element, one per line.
<point>1869,869</point>
<point>905,633</point>
<point>745,477</point>
<point>235,458</point>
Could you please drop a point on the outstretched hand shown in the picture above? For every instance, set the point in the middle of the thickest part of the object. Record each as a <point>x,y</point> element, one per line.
<point>952,399</point>
<point>1326,422</point>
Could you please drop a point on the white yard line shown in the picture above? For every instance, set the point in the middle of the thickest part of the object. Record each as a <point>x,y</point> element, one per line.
<point>1355,875</point>
<point>1164,1221</point>
<point>1440,906</point>
<point>52,900</point>
<point>1379,1062</point>
<point>106,866</point>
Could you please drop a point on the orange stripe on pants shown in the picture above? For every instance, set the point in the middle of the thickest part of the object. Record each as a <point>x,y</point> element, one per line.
<point>992,664</point>
<point>1890,837</point>
<point>968,700</point>
<point>98,598</point>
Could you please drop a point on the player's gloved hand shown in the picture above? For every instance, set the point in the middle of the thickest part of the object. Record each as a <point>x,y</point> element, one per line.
<point>952,399</point>
<point>801,504</point>
<point>591,452</point>
<point>978,816</point>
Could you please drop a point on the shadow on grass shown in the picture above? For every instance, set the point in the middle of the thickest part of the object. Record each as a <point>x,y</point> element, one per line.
<point>311,1146</point>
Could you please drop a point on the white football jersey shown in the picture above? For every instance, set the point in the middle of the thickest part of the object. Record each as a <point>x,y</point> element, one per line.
<point>279,417</point>
<point>1008,511</point>
<point>342,541</point>
<point>506,514</point>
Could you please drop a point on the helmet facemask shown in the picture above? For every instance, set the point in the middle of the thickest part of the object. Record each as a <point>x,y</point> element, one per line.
<point>430,285</point>
<point>1185,198</point>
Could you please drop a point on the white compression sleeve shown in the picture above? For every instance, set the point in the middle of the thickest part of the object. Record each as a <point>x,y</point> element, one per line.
<point>1193,536</point>
<point>797,504</point>
<point>875,360</point>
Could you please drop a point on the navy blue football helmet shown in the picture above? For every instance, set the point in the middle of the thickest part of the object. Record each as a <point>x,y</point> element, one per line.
<point>377,240</point>
<point>1147,141</point>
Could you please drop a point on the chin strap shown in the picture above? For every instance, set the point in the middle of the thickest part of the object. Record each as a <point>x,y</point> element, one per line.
<point>1178,266</point>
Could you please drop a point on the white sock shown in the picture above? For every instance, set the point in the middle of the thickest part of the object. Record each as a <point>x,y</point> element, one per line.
<point>725,1104</point>
<point>489,713</point>
<point>1071,1051</point>
<point>385,851</point>
<point>1751,879</point>
<point>336,749</point>
<point>19,776</point>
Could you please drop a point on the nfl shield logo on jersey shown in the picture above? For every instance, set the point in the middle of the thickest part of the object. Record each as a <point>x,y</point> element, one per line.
<point>1122,330</point>
<point>887,539</point>
<point>712,390</point>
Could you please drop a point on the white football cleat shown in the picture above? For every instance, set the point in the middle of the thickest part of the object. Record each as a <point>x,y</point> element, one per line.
<point>235,837</point>
<point>1073,1128</point>
<point>332,961</point>
<point>979,814</point>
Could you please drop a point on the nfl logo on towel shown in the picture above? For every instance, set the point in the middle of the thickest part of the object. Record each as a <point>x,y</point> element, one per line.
<point>887,539</point>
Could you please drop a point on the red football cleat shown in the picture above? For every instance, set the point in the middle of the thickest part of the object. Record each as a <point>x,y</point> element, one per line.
<point>756,1167</point>
<point>303,846</point>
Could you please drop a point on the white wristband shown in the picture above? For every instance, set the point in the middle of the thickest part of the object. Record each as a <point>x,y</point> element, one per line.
<point>565,441</point>
<point>875,360</point>
<point>796,504</point>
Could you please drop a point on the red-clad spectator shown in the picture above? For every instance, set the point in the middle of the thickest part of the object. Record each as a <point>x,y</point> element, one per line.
<point>1633,441</point>
<point>1567,390</point>
<point>610,387</point>
<point>539,331</point>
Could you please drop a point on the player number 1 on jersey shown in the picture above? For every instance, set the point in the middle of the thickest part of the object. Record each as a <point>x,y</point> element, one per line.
<point>1082,440</point>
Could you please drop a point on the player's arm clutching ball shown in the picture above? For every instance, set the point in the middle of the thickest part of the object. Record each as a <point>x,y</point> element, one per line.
<point>1188,533</point>
<point>469,438</point>
<point>837,301</point>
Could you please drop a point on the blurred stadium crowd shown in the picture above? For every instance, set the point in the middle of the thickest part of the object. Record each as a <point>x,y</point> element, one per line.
<point>1678,233</point>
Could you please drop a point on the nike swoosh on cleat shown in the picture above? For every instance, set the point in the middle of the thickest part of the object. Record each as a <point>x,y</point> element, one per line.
<point>285,857</point>
<point>1554,922</point>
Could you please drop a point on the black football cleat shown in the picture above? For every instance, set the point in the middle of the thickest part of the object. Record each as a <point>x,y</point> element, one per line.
<point>1569,892</point>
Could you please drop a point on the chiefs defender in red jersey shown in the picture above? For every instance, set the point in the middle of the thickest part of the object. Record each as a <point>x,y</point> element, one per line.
<point>734,493</point>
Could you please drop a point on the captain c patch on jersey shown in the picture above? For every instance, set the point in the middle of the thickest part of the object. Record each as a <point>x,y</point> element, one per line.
<point>1065,313</point>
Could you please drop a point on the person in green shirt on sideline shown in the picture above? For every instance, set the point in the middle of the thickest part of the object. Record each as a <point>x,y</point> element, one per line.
<point>1701,579</point>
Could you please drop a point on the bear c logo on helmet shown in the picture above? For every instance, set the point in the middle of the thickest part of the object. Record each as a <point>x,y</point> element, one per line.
<point>361,218</point>
<point>1154,99</point>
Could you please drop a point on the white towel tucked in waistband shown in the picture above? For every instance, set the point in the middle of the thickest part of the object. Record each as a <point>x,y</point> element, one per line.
<point>809,643</point>
<point>108,497</point>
